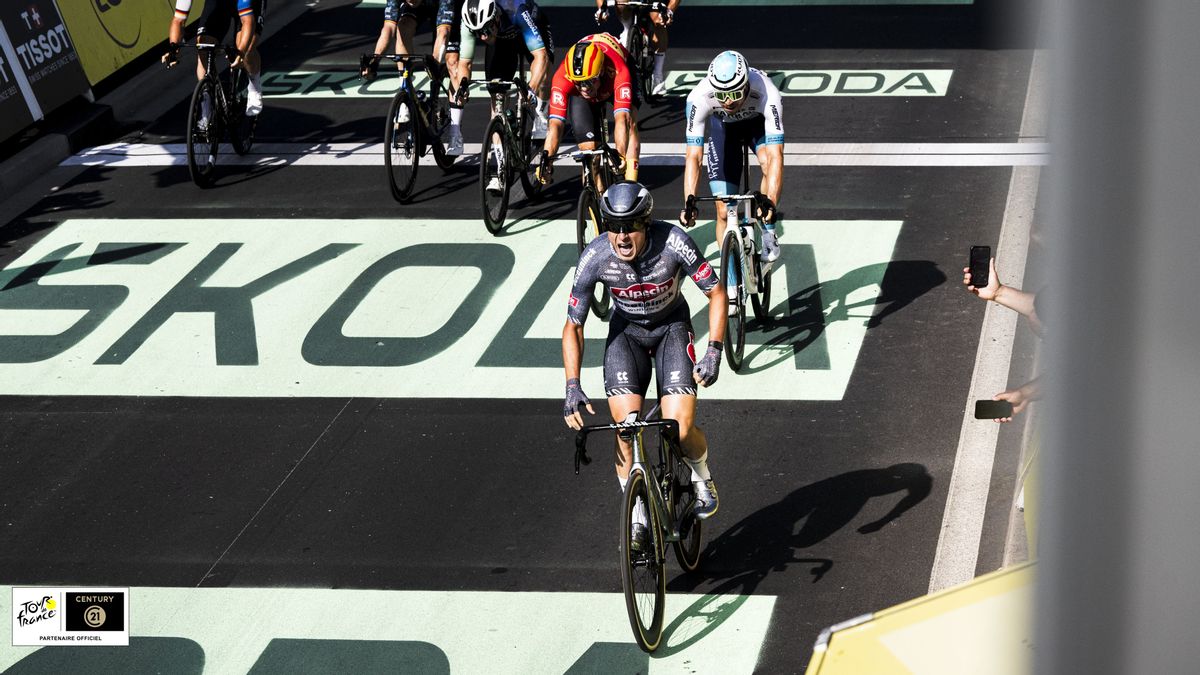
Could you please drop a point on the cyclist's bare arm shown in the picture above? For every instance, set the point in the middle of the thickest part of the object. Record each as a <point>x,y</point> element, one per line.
<point>537,71</point>
<point>553,136</point>
<point>625,136</point>
<point>718,312</point>
<point>572,348</point>
<point>691,173</point>
<point>770,159</point>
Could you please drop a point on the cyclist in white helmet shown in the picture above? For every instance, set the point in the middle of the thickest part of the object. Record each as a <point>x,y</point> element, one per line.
<point>508,28</point>
<point>747,111</point>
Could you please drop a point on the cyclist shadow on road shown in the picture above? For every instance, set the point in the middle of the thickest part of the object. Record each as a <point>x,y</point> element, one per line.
<point>796,326</point>
<point>780,535</point>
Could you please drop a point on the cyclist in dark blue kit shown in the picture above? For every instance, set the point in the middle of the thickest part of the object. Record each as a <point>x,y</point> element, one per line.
<point>642,261</point>
<point>250,16</point>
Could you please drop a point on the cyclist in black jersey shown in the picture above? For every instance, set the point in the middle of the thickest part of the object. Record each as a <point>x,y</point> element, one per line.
<point>249,17</point>
<point>641,261</point>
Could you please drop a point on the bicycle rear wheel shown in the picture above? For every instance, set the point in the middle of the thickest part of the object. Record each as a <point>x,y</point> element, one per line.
<point>731,273</point>
<point>495,174</point>
<point>203,133</point>
<point>241,128</point>
<point>643,574</point>
<point>587,228</point>
<point>402,144</point>
<point>682,506</point>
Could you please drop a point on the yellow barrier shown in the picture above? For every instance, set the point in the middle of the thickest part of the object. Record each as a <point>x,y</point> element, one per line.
<point>110,33</point>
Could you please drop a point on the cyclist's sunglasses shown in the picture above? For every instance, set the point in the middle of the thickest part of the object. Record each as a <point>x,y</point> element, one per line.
<point>730,96</point>
<point>592,83</point>
<point>626,226</point>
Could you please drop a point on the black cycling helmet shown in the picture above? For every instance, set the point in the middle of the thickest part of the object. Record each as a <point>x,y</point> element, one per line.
<point>626,203</point>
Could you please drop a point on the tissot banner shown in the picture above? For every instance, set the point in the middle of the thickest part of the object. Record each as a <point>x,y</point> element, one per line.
<point>40,60</point>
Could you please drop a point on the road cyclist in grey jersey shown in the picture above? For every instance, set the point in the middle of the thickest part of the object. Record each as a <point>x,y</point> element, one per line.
<point>642,262</point>
<point>249,17</point>
<point>400,21</point>
<point>746,110</point>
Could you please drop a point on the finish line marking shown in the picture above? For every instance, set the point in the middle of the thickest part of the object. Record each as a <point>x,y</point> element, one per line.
<point>653,154</point>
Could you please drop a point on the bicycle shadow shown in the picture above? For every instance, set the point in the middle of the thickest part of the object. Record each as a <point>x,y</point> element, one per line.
<point>777,536</point>
<point>801,319</point>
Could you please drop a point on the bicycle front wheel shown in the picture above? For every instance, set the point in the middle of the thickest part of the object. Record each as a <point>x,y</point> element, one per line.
<point>731,279</point>
<point>643,574</point>
<point>587,228</point>
<point>494,175</point>
<point>529,150</point>
<point>402,144</point>
<point>682,503</point>
<point>203,133</point>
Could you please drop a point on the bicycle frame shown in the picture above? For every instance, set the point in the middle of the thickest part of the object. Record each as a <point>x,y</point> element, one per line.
<point>740,226</point>
<point>632,430</point>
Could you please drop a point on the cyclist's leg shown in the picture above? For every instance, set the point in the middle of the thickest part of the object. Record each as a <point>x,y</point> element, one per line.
<point>674,360</point>
<point>502,60</point>
<point>584,120</point>
<point>724,166</point>
<point>627,370</point>
<point>212,28</point>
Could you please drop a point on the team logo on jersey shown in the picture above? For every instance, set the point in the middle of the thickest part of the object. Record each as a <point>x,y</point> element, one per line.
<point>643,292</point>
<point>703,273</point>
<point>574,301</point>
<point>557,98</point>
<point>626,93</point>
<point>691,347</point>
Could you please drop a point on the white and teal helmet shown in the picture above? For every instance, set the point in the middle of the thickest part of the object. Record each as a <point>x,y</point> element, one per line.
<point>728,72</point>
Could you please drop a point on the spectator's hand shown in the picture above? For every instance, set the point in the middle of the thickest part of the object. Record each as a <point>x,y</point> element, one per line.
<point>574,399</point>
<point>1019,398</point>
<point>993,286</point>
<point>545,169</point>
<point>687,217</point>
<point>706,370</point>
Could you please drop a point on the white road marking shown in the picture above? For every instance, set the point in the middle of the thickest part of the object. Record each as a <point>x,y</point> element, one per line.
<point>962,523</point>
<point>653,154</point>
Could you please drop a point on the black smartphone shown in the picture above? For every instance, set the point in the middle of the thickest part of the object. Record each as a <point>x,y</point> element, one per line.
<point>992,410</point>
<point>980,258</point>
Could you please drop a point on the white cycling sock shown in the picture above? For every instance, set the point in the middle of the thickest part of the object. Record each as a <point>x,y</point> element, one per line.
<point>623,481</point>
<point>640,515</point>
<point>699,467</point>
<point>456,117</point>
<point>659,60</point>
<point>255,83</point>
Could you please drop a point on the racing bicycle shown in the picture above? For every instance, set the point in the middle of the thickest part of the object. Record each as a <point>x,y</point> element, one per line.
<point>665,488</point>
<point>414,123</point>
<point>508,150</point>
<point>743,271</point>
<point>639,41</point>
<point>599,163</point>
<point>223,98</point>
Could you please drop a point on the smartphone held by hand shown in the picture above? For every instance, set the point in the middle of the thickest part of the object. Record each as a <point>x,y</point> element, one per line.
<point>980,258</point>
<point>993,410</point>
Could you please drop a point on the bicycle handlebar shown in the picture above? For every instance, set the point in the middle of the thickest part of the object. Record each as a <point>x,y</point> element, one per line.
<point>671,427</point>
<point>654,6</point>
<point>728,198</point>
<point>425,61</point>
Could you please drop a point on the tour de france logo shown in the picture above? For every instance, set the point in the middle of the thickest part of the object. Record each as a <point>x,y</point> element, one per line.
<point>95,611</point>
<point>33,611</point>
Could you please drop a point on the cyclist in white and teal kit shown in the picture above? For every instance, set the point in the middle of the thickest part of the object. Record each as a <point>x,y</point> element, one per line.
<point>746,110</point>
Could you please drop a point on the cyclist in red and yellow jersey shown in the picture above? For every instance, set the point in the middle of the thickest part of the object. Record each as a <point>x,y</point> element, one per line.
<point>597,70</point>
